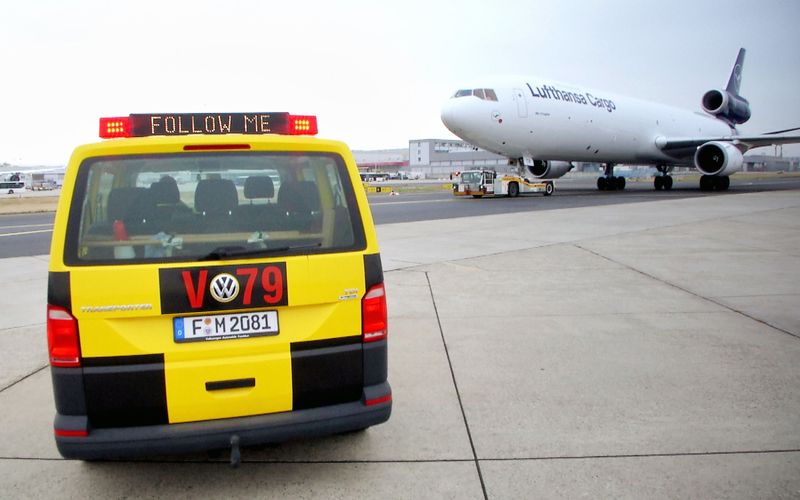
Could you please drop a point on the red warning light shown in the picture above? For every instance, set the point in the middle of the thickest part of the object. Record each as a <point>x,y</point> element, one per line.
<point>302,125</point>
<point>111,128</point>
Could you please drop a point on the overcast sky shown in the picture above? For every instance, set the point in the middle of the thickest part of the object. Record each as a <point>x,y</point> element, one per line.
<point>375,73</point>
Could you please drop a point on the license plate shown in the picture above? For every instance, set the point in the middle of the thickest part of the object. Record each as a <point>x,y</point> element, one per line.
<point>225,326</point>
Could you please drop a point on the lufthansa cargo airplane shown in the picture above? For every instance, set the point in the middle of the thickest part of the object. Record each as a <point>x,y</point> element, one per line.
<point>542,126</point>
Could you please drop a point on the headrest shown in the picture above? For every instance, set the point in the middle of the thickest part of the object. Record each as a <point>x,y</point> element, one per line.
<point>165,190</point>
<point>299,196</point>
<point>258,186</point>
<point>121,202</point>
<point>215,196</point>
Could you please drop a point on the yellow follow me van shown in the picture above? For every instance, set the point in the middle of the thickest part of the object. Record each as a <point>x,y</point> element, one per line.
<point>214,281</point>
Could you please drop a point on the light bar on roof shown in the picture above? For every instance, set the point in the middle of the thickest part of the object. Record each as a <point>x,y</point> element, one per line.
<point>143,125</point>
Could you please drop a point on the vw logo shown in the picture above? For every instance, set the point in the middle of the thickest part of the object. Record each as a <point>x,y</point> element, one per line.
<point>224,287</point>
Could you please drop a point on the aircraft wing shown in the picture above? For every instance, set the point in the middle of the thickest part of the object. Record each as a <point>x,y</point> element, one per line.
<point>745,142</point>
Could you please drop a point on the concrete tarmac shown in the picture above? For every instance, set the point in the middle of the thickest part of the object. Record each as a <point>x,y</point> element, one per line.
<point>646,350</point>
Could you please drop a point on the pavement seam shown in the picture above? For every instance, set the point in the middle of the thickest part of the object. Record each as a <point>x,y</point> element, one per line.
<point>431,461</point>
<point>12,384</point>
<point>19,327</point>
<point>685,290</point>
<point>455,385</point>
<point>533,316</point>
<point>643,455</point>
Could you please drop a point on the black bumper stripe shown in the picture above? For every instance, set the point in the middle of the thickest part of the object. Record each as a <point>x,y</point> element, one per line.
<point>68,390</point>
<point>321,344</point>
<point>324,374</point>
<point>373,270</point>
<point>126,391</point>
<point>139,359</point>
<point>58,290</point>
<point>376,363</point>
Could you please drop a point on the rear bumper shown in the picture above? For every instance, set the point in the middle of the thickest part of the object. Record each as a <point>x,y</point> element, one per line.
<point>124,442</point>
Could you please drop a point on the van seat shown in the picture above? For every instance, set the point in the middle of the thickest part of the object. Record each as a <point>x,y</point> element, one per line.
<point>300,205</point>
<point>216,200</point>
<point>126,204</point>
<point>263,215</point>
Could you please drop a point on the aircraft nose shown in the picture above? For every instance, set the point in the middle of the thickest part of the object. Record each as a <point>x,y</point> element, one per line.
<point>449,116</point>
<point>475,120</point>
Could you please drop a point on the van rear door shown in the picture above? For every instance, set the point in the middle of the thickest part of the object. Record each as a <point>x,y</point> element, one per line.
<point>216,285</point>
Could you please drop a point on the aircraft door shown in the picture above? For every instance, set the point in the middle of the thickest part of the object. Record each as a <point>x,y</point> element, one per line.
<point>522,104</point>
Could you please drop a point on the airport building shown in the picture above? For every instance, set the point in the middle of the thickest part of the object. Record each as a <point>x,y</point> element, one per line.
<point>382,160</point>
<point>429,159</point>
<point>768,163</point>
<point>441,157</point>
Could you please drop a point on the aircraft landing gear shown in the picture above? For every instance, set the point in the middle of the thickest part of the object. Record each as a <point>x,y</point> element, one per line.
<point>712,182</point>
<point>663,180</point>
<point>608,182</point>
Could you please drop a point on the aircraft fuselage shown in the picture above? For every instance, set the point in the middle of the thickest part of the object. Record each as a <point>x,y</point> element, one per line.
<point>544,119</point>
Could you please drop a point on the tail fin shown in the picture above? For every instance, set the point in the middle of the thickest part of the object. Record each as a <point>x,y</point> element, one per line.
<point>736,75</point>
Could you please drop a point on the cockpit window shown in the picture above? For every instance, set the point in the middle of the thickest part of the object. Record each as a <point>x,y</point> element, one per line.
<point>483,94</point>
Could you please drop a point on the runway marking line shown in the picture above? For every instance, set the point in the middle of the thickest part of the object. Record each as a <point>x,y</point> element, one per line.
<point>22,233</point>
<point>26,225</point>
<point>407,202</point>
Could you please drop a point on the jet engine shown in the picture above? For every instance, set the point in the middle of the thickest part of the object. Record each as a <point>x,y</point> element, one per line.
<point>732,108</point>
<point>543,169</point>
<point>718,158</point>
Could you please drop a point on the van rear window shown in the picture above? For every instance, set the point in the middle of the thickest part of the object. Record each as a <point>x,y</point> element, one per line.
<point>207,206</point>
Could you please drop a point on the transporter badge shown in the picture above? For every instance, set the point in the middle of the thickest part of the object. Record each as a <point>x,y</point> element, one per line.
<point>224,287</point>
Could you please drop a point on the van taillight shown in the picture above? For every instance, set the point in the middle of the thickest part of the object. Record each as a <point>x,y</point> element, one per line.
<point>373,310</point>
<point>62,338</point>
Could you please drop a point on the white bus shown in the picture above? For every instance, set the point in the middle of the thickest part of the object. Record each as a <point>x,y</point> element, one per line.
<point>373,176</point>
<point>12,187</point>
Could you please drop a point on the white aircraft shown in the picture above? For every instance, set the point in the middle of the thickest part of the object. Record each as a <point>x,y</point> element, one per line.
<point>544,125</point>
